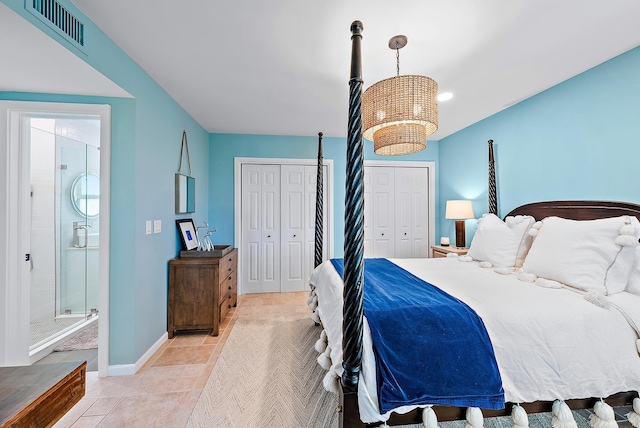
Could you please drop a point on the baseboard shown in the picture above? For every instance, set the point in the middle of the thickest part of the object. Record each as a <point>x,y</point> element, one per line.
<point>131,369</point>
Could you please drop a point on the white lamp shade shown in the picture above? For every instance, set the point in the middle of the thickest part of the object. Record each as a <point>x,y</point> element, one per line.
<point>459,210</point>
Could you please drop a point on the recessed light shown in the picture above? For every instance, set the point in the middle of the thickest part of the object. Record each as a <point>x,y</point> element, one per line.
<point>445,96</point>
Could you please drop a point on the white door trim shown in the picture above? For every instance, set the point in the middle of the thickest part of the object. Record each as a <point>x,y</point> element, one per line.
<point>237,197</point>
<point>431,168</point>
<point>12,253</point>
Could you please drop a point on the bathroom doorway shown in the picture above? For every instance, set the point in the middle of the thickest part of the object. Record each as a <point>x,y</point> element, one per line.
<point>57,252</point>
<point>65,239</point>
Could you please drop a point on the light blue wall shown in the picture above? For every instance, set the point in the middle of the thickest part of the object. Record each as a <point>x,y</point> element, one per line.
<point>225,147</point>
<point>577,140</point>
<point>146,135</point>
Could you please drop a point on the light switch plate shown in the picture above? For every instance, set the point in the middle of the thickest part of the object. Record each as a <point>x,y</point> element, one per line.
<point>148,227</point>
<point>157,226</point>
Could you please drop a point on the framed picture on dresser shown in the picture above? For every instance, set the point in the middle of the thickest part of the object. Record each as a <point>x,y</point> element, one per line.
<point>188,235</point>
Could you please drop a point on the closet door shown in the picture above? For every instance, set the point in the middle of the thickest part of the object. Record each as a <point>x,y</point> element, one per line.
<point>260,228</point>
<point>379,212</point>
<point>298,225</point>
<point>411,212</point>
<point>293,228</point>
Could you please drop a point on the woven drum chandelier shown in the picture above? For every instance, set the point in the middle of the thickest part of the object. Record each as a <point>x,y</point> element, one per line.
<point>400,112</point>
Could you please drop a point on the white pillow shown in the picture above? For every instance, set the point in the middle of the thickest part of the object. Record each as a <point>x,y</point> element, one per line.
<point>502,243</point>
<point>591,255</point>
<point>633,284</point>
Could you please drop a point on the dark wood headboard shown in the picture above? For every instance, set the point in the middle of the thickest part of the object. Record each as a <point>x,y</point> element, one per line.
<point>577,210</point>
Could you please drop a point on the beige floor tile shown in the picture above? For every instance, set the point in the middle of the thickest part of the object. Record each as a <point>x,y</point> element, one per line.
<point>211,340</point>
<point>88,422</point>
<point>189,370</point>
<point>155,384</point>
<point>184,355</point>
<point>189,339</point>
<point>146,411</point>
<point>102,406</point>
<point>116,386</point>
<point>75,413</point>
<point>204,375</point>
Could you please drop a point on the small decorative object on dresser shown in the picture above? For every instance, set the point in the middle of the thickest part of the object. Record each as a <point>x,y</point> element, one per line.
<point>442,251</point>
<point>201,292</point>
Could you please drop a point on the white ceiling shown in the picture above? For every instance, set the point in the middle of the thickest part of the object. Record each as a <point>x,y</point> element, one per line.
<point>282,66</point>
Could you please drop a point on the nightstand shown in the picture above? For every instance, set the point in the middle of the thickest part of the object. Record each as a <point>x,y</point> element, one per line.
<point>440,251</point>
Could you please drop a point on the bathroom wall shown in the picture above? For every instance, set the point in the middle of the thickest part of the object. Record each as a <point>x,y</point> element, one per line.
<point>43,230</point>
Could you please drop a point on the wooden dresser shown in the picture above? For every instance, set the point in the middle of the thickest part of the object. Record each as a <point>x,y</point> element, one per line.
<point>201,292</point>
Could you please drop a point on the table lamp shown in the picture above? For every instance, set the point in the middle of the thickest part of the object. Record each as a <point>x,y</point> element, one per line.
<point>459,210</point>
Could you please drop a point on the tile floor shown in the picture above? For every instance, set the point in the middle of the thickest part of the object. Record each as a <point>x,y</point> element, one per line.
<point>165,390</point>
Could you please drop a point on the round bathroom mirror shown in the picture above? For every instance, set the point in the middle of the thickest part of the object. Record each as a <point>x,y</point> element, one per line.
<point>85,195</point>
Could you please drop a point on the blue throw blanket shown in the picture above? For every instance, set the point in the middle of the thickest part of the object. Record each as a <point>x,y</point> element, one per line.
<point>430,347</point>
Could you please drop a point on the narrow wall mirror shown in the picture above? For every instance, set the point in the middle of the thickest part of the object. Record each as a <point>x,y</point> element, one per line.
<point>185,194</point>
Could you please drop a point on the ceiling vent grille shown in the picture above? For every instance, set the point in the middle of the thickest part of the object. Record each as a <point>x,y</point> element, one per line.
<point>60,19</point>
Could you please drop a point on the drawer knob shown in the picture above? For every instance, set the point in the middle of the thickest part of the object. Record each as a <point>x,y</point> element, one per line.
<point>229,269</point>
<point>229,278</point>
<point>229,287</point>
<point>229,305</point>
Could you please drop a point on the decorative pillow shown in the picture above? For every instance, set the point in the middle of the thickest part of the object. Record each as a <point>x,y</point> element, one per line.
<point>591,255</point>
<point>502,243</point>
<point>633,284</point>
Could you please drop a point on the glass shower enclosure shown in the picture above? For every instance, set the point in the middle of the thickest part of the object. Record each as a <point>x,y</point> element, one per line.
<point>65,216</point>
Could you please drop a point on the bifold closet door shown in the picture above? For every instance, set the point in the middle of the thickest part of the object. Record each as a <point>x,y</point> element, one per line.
<point>298,226</point>
<point>411,213</point>
<point>396,212</point>
<point>260,228</point>
<point>379,212</point>
<point>293,228</point>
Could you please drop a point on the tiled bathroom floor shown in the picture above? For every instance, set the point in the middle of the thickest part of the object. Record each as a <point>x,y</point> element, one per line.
<point>164,392</point>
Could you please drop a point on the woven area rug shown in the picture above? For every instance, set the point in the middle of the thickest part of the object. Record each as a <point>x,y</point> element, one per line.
<point>267,376</point>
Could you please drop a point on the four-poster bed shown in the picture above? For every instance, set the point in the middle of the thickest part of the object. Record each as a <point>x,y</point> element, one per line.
<point>352,357</point>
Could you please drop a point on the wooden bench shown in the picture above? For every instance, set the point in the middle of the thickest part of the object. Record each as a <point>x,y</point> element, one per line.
<point>39,395</point>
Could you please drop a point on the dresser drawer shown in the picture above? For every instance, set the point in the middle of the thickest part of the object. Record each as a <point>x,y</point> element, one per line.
<point>227,303</point>
<point>228,284</point>
<point>228,264</point>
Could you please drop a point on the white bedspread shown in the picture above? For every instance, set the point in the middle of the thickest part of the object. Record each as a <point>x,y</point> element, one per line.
<point>549,343</point>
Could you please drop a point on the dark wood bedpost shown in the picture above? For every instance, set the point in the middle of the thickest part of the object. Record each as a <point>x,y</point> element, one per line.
<point>493,194</point>
<point>353,222</point>
<point>319,205</point>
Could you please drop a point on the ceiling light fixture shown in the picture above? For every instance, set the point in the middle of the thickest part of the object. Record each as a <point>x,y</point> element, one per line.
<point>400,112</point>
<point>445,96</point>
